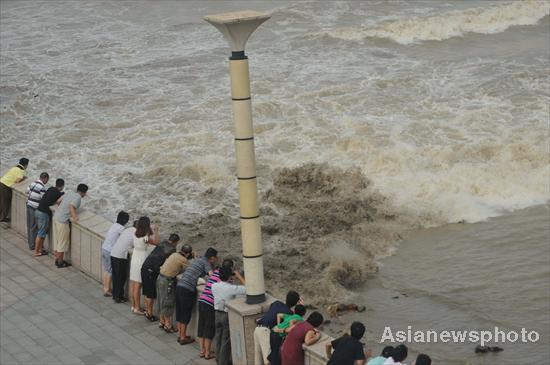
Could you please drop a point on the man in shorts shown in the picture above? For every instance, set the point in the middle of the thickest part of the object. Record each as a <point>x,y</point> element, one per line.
<point>43,214</point>
<point>66,213</point>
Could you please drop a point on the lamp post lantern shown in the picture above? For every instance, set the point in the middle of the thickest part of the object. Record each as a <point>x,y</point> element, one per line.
<point>237,28</point>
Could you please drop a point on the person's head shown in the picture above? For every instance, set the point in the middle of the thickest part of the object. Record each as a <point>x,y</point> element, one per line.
<point>44,177</point>
<point>292,298</point>
<point>186,250</point>
<point>24,162</point>
<point>174,238</point>
<point>228,263</point>
<point>143,227</point>
<point>135,224</point>
<point>423,359</point>
<point>399,353</point>
<point>225,273</point>
<point>122,218</point>
<point>387,351</point>
<point>82,189</point>
<point>357,330</point>
<point>211,255</point>
<point>60,184</point>
<point>300,310</point>
<point>315,319</point>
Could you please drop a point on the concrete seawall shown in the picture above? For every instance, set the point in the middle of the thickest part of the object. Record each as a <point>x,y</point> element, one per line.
<point>87,236</point>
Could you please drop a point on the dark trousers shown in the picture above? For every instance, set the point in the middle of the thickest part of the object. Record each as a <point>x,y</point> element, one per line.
<point>222,339</point>
<point>5,201</point>
<point>120,272</point>
<point>275,342</point>
<point>31,227</point>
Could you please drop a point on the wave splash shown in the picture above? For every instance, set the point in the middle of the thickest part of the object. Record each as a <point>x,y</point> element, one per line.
<point>489,20</point>
<point>323,230</point>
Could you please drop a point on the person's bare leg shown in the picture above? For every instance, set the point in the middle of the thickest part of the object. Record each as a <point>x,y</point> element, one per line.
<point>201,345</point>
<point>148,305</point>
<point>180,331</point>
<point>184,330</point>
<point>106,282</point>
<point>38,245</point>
<point>207,347</point>
<point>137,288</point>
<point>131,294</point>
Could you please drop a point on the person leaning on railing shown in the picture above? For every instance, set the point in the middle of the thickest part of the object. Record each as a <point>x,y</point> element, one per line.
<point>110,238</point>
<point>64,215</point>
<point>35,192</point>
<point>150,271</point>
<point>174,265</point>
<point>14,175</point>
<point>43,214</point>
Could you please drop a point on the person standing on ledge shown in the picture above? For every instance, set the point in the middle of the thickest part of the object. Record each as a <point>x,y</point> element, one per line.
<point>43,213</point>
<point>35,192</point>
<point>110,238</point>
<point>66,213</point>
<point>14,175</point>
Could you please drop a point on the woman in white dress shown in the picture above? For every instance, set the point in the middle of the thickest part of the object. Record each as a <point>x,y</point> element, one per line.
<point>145,240</point>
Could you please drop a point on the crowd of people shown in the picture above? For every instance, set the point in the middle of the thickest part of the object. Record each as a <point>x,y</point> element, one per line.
<point>167,272</point>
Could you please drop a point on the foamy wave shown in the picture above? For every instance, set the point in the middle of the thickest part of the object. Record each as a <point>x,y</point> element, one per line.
<point>490,20</point>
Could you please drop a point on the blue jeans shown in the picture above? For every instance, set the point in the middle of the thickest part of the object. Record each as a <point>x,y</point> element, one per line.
<point>42,223</point>
<point>31,227</point>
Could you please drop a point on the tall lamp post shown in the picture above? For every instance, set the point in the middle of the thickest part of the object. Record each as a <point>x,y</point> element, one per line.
<point>237,28</point>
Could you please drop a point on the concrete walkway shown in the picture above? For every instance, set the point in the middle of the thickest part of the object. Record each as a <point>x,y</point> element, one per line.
<point>59,316</point>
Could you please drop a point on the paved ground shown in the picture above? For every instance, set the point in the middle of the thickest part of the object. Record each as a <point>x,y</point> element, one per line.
<point>59,316</point>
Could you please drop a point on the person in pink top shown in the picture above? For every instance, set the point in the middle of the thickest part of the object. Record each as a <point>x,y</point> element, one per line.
<point>301,333</point>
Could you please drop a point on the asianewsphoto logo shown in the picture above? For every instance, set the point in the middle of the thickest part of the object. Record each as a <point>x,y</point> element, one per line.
<point>459,336</point>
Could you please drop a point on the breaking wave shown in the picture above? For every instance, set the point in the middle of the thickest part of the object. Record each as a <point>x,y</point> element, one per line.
<point>489,20</point>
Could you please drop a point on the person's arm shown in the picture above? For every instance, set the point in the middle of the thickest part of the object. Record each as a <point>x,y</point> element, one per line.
<point>279,317</point>
<point>312,337</point>
<point>360,362</point>
<point>19,179</point>
<point>154,239</point>
<point>328,350</point>
<point>74,216</point>
<point>240,277</point>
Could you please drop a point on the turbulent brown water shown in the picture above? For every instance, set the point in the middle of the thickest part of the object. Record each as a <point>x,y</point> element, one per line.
<point>324,228</point>
<point>371,119</point>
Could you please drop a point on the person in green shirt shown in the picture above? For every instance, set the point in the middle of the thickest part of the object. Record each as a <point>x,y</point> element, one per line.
<point>284,323</point>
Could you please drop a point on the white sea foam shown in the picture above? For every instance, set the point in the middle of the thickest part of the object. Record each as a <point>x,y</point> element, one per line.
<point>485,20</point>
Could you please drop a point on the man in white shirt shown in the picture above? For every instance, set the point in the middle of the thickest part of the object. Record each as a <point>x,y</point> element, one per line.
<point>119,262</point>
<point>110,238</point>
<point>223,292</point>
<point>35,191</point>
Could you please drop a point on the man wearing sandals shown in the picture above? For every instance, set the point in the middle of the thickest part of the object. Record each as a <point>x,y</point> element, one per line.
<point>43,213</point>
<point>35,191</point>
<point>186,291</point>
<point>150,271</point>
<point>174,265</point>
<point>66,213</point>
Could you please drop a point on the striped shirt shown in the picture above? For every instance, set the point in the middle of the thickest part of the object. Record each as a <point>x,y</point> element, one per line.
<point>35,191</point>
<point>196,269</point>
<point>207,297</point>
